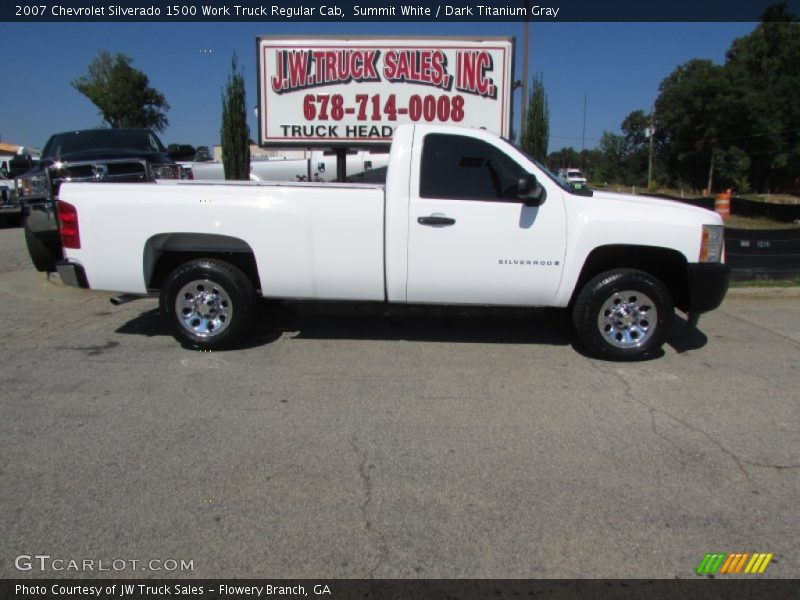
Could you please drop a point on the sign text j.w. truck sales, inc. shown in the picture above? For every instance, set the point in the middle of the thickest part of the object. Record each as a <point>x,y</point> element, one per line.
<point>329,91</point>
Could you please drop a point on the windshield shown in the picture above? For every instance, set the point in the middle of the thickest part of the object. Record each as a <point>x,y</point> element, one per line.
<point>102,139</point>
<point>575,174</point>
<point>557,180</point>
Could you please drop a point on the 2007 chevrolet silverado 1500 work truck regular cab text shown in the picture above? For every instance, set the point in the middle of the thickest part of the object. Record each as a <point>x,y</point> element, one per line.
<point>464,218</point>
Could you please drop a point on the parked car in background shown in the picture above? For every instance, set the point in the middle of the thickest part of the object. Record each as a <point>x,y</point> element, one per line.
<point>93,155</point>
<point>10,208</point>
<point>203,154</point>
<point>14,166</point>
<point>179,152</point>
<point>574,177</point>
<point>373,176</point>
<point>5,166</point>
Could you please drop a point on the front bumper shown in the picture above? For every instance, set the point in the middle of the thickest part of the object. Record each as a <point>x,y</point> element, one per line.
<point>9,203</point>
<point>71,273</point>
<point>708,284</point>
<point>10,209</point>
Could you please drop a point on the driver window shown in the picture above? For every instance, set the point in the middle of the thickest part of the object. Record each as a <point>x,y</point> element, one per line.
<point>463,168</point>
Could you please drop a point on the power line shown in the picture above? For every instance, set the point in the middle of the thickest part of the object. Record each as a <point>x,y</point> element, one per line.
<point>574,137</point>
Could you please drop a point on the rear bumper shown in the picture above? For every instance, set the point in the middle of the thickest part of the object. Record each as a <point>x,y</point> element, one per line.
<point>708,284</point>
<point>72,274</point>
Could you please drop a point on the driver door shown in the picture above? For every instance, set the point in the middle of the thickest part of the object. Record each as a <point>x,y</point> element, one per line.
<point>471,239</point>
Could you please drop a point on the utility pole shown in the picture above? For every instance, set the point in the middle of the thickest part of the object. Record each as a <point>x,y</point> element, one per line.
<point>583,134</point>
<point>650,134</point>
<point>710,173</point>
<point>525,45</point>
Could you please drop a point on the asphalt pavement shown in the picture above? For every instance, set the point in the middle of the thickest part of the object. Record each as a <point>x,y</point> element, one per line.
<point>360,441</point>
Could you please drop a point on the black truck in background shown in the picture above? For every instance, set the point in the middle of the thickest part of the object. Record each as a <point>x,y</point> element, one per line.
<point>108,155</point>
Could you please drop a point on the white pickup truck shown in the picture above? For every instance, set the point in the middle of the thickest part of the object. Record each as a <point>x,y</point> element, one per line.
<point>464,218</point>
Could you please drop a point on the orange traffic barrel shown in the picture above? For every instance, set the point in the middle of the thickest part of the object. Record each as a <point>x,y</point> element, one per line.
<point>722,204</point>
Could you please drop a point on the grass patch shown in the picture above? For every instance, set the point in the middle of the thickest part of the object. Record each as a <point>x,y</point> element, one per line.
<point>764,283</point>
<point>740,222</point>
<point>773,198</point>
<point>734,221</point>
<point>642,190</point>
<point>679,193</point>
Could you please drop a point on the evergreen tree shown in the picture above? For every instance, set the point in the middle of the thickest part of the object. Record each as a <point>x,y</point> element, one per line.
<point>536,133</point>
<point>234,132</point>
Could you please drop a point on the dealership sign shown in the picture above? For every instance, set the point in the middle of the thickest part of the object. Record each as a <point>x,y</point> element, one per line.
<point>344,91</point>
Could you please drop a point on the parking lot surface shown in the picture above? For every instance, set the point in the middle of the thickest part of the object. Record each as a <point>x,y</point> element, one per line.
<point>357,441</point>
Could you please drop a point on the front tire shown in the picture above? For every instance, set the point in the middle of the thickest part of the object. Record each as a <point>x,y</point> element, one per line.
<point>624,314</point>
<point>208,304</point>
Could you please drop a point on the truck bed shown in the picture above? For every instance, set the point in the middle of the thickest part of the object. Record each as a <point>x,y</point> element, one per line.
<point>323,240</point>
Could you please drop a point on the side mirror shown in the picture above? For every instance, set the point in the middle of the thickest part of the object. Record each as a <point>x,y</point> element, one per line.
<point>530,191</point>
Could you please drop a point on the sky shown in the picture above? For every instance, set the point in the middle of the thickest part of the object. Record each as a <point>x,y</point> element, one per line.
<point>617,66</point>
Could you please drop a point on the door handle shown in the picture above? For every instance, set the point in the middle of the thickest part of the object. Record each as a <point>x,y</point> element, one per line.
<point>436,220</point>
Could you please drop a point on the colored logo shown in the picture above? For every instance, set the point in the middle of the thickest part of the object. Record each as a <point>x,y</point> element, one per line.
<point>734,563</point>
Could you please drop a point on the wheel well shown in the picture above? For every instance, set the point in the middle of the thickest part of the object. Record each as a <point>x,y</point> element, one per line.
<point>667,265</point>
<point>165,252</point>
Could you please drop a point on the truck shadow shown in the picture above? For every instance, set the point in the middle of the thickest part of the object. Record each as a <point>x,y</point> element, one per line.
<point>422,323</point>
<point>684,338</point>
<point>367,321</point>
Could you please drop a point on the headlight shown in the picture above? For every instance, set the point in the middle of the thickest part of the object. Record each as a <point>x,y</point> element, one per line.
<point>711,243</point>
<point>33,186</point>
<point>167,171</point>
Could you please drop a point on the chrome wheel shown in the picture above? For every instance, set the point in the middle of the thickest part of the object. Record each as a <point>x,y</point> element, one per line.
<point>203,308</point>
<point>627,319</point>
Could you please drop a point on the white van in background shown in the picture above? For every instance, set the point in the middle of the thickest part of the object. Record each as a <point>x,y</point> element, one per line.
<point>574,177</point>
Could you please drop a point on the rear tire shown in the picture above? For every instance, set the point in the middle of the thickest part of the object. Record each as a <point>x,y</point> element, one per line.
<point>43,255</point>
<point>624,314</point>
<point>208,304</point>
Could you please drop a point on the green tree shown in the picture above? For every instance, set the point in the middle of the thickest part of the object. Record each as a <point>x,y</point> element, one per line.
<point>536,134</point>
<point>635,148</point>
<point>733,169</point>
<point>122,93</point>
<point>567,157</point>
<point>611,162</point>
<point>762,68</point>
<point>737,122</point>
<point>693,114</point>
<point>564,158</point>
<point>234,132</point>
